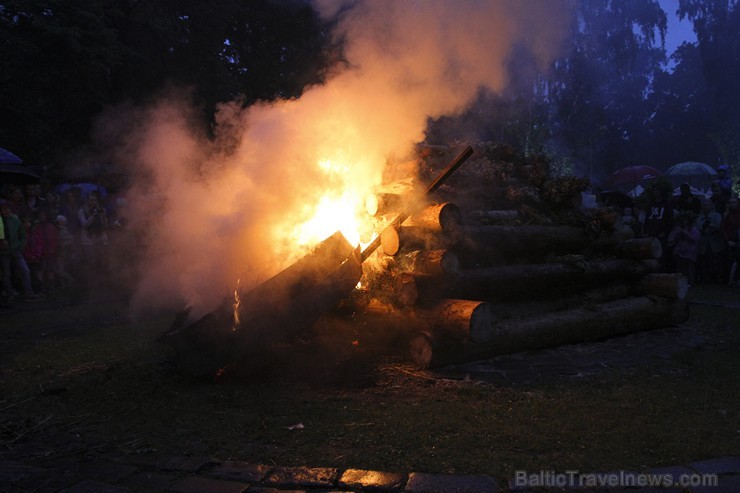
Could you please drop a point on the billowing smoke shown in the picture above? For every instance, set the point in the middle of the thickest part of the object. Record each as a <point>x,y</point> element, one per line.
<point>237,207</point>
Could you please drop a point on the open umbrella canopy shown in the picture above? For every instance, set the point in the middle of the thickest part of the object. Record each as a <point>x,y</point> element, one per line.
<point>16,174</point>
<point>691,168</point>
<point>699,175</point>
<point>633,175</point>
<point>7,157</point>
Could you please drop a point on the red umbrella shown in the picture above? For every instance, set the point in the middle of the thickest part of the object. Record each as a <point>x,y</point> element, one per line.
<point>633,175</point>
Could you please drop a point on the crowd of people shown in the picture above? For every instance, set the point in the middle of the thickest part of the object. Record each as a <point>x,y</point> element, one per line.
<point>52,239</point>
<point>700,234</point>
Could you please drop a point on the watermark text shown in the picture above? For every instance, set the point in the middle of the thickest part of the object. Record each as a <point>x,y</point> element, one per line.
<point>621,479</point>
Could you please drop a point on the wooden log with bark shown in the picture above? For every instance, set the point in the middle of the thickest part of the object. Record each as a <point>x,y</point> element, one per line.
<point>458,318</point>
<point>529,280</point>
<point>428,262</point>
<point>408,238</point>
<point>669,285</point>
<point>640,248</point>
<point>488,217</point>
<point>433,348</point>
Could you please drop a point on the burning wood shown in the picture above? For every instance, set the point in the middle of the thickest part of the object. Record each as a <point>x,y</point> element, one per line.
<point>283,306</point>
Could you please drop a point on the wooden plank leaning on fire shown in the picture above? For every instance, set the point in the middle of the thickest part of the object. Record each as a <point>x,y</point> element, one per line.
<point>242,334</point>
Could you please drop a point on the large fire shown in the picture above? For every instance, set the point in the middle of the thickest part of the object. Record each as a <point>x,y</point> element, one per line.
<point>340,207</point>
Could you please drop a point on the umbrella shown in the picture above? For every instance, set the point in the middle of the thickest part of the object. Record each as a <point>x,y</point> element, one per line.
<point>7,157</point>
<point>633,175</point>
<point>16,174</point>
<point>692,172</point>
<point>691,168</point>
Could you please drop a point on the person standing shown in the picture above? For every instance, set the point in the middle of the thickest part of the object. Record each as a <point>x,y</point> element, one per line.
<point>687,201</point>
<point>659,221</point>
<point>711,243</point>
<point>684,242</point>
<point>93,238</point>
<point>16,236</point>
<point>731,233</point>
<point>5,294</point>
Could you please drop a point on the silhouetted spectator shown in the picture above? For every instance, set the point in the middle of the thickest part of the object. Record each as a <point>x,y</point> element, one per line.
<point>687,201</point>
<point>731,233</point>
<point>719,198</point>
<point>659,220</point>
<point>684,242</point>
<point>711,244</point>
<point>16,236</point>
<point>724,179</point>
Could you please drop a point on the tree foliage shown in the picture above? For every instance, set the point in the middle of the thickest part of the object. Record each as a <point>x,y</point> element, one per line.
<point>64,60</point>
<point>611,99</point>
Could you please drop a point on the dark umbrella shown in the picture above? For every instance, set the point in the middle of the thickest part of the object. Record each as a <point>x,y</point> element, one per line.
<point>16,174</point>
<point>7,157</point>
<point>633,175</point>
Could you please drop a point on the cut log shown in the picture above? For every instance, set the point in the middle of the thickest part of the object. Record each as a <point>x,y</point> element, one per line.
<point>437,218</point>
<point>459,318</point>
<point>527,242</point>
<point>640,248</point>
<point>404,290</point>
<point>431,188</point>
<point>430,348</point>
<point>274,311</point>
<point>432,262</point>
<point>493,217</point>
<point>553,238</point>
<point>670,285</point>
<point>529,281</point>
<point>400,238</point>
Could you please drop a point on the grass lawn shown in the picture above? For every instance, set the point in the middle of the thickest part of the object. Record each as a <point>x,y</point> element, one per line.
<point>93,374</point>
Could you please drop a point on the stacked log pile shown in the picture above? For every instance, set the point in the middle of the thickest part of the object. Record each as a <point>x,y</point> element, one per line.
<point>504,259</point>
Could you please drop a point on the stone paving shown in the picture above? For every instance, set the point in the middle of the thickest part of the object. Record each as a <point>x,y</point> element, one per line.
<point>208,475</point>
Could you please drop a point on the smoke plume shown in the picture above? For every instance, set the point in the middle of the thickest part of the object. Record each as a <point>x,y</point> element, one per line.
<point>237,207</point>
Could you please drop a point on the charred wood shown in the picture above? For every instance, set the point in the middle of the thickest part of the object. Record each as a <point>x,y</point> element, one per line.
<point>277,310</point>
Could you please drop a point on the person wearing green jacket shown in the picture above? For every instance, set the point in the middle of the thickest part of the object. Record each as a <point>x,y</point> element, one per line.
<point>15,236</point>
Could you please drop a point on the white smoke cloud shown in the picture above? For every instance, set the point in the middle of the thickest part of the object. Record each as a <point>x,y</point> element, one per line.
<point>216,216</point>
